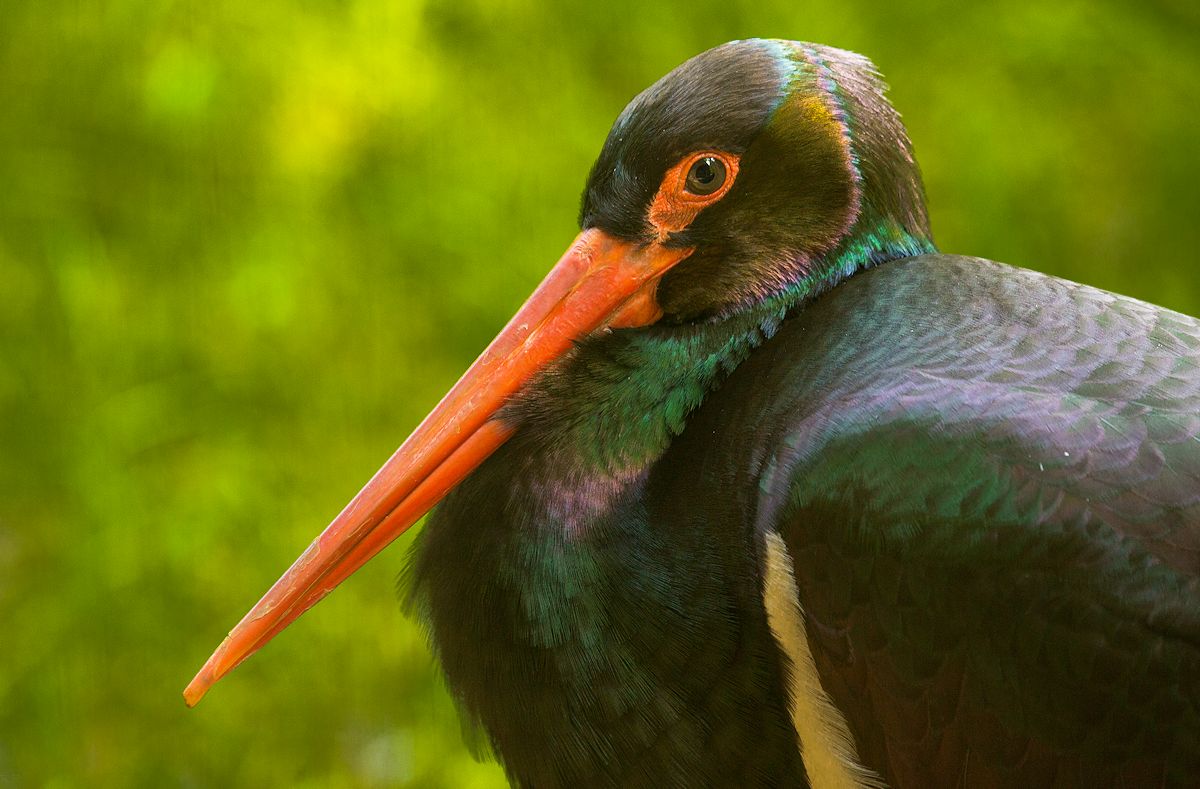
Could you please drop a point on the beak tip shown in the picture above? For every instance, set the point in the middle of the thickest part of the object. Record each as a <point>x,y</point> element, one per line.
<point>196,689</point>
<point>205,678</point>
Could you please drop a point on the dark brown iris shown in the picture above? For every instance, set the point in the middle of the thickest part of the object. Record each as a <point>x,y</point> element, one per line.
<point>706,176</point>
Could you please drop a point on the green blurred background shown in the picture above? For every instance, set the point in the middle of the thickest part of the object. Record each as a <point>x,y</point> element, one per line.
<point>245,246</point>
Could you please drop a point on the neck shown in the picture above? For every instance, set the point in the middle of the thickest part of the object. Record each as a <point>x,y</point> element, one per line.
<point>611,408</point>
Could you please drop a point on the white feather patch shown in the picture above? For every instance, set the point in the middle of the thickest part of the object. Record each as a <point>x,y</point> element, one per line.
<point>825,742</point>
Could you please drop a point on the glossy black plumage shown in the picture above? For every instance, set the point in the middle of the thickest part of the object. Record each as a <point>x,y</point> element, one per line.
<point>987,479</point>
<point>990,484</point>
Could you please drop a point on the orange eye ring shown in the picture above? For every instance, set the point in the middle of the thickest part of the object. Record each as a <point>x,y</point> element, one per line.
<point>676,206</point>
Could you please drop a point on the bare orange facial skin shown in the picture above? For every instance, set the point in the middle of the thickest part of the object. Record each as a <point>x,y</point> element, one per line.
<point>674,207</point>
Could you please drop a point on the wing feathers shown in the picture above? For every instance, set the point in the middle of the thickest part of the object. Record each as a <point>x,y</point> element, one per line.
<point>989,481</point>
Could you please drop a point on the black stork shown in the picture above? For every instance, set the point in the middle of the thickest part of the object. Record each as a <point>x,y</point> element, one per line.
<point>758,489</point>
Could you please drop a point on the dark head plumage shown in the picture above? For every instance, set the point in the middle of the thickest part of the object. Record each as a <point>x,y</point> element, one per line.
<point>826,172</point>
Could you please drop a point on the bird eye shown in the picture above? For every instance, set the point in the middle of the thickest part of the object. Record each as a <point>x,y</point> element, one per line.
<point>693,184</point>
<point>706,176</point>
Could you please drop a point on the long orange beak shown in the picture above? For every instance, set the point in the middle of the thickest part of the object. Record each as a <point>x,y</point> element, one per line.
<point>599,283</point>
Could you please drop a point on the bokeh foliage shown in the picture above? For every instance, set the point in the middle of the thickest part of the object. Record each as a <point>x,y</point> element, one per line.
<point>245,246</point>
